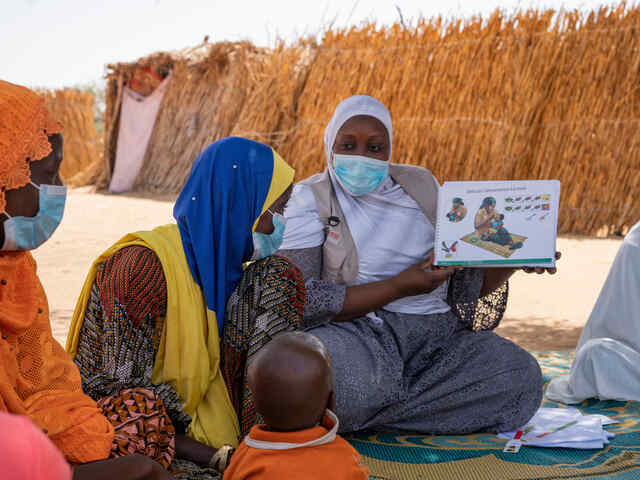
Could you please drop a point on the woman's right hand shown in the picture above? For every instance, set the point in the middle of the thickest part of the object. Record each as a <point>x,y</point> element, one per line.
<point>421,278</point>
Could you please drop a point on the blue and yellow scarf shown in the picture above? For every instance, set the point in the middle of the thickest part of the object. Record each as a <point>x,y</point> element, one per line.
<point>231,184</point>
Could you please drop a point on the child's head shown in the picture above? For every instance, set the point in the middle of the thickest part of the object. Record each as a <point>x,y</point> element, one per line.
<point>291,381</point>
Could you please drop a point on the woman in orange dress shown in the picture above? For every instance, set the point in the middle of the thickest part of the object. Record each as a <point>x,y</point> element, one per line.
<point>38,380</point>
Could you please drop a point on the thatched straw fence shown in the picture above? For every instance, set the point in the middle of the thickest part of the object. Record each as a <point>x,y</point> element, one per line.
<point>82,147</point>
<point>216,90</point>
<point>535,95</point>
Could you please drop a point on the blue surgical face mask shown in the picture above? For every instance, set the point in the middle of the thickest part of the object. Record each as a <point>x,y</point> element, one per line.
<point>265,245</point>
<point>28,233</point>
<point>359,175</point>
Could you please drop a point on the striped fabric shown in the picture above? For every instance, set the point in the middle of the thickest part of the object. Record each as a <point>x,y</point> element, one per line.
<point>133,278</point>
<point>268,300</point>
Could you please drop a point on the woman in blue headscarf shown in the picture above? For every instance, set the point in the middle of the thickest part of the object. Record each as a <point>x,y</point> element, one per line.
<point>149,328</point>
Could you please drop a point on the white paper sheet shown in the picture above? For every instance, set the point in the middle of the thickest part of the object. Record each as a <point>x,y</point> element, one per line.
<point>587,433</point>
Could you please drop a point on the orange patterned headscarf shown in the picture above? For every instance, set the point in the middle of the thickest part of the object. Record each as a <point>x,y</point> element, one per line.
<point>24,129</point>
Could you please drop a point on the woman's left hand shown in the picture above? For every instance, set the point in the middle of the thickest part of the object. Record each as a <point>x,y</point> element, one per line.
<point>541,270</point>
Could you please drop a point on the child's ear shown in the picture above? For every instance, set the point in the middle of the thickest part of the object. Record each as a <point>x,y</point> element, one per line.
<point>331,402</point>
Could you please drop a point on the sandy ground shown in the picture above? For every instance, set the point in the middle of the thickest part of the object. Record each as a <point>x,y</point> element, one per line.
<point>544,312</point>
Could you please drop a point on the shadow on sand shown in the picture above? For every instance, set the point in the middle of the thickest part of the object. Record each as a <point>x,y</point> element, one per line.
<point>540,334</point>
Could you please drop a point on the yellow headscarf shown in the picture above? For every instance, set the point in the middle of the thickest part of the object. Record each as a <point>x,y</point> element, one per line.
<point>281,180</point>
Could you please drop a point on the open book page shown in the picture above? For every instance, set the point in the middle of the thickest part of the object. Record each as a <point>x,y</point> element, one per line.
<point>501,223</point>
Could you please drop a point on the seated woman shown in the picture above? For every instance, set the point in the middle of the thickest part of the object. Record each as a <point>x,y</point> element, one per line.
<point>147,329</point>
<point>402,336</point>
<point>37,378</point>
<point>607,360</point>
<point>489,224</point>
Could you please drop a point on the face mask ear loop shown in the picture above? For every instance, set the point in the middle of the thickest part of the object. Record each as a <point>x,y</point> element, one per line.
<point>36,186</point>
<point>8,216</point>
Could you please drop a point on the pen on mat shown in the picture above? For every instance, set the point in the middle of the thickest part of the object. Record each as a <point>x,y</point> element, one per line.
<point>562,427</point>
<point>520,433</point>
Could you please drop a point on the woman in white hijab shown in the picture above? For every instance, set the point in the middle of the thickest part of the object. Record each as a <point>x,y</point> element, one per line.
<point>410,345</point>
<point>607,361</point>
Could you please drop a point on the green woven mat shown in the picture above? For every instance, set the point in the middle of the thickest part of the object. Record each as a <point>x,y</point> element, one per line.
<point>480,456</point>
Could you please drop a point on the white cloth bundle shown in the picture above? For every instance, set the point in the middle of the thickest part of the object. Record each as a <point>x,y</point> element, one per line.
<point>607,361</point>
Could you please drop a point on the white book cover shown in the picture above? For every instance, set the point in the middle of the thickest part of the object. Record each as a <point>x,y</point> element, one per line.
<point>497,223</point>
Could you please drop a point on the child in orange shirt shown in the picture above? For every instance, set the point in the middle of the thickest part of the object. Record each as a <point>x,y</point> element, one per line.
<point>292,386</point>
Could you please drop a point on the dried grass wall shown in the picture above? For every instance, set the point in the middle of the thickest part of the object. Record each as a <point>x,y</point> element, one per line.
<point>525,97</point>
<point>201,105</point>
<point>82,147</point>
<point>512,98</point>
<point>275,85</point>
